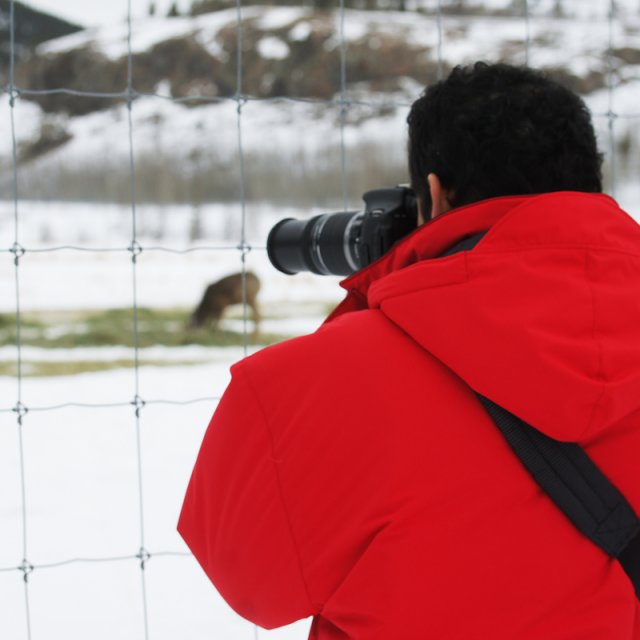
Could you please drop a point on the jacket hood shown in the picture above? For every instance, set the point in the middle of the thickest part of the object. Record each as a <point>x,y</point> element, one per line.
<point>542,316</point>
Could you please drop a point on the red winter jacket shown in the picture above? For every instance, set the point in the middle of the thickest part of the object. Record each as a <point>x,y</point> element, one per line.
<point>352,474</point>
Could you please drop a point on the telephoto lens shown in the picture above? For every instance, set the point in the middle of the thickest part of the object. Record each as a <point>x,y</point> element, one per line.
<point>344,242</point>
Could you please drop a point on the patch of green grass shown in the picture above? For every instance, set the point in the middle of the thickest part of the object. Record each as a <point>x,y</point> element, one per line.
<point>8,322</point>
<point>328,308</point>
<point>115,327</point>
<point>70,368</point>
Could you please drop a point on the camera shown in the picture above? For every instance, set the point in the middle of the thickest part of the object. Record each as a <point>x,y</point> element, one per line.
<point>344,242</point>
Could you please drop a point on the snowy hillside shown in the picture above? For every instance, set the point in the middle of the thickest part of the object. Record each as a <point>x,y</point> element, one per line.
<point>291,127</point>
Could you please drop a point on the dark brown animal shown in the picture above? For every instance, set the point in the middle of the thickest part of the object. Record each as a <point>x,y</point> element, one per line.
<point>224,293</point>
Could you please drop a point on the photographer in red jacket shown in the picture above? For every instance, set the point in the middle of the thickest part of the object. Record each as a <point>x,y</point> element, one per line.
<point>354,476</point>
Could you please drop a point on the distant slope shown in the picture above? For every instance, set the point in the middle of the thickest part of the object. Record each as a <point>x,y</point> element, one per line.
<point>32,27</point>
<point>77,147</point>
<point>295,52</point>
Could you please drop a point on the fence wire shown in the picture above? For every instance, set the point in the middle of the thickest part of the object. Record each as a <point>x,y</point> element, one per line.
<point>138,403</point>
<point>243,247</point>
<point>23,567</point>
<point>611,114</point>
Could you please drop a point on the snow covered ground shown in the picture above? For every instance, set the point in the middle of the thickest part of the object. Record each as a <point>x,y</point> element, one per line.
<point>81,279</point>
<point>80,462</point>
<point>82,502</point>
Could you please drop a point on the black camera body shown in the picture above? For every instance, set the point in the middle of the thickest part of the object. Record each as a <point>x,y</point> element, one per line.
<point>344,242</point>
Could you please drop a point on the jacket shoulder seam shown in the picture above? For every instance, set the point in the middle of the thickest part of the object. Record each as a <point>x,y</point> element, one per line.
<point>556,247</point>
<point>241,367</point>
<point>600,372</point>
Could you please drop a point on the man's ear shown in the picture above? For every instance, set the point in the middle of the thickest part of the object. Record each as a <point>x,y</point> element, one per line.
<point>420,211</point>
<point>440,202</point>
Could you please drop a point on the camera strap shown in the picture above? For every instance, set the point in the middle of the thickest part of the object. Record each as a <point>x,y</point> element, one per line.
<point>578,487</point>
<point>565,472</point>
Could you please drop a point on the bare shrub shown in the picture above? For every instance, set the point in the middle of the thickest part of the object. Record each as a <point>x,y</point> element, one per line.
<point>82,69</point>
<point>301,180</point>
<point>52,135</point>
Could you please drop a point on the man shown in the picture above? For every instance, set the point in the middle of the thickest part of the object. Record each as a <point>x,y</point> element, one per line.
<point>354,476</point>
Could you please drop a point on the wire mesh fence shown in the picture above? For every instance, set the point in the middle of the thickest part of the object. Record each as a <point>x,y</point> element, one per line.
<point>134,408</point>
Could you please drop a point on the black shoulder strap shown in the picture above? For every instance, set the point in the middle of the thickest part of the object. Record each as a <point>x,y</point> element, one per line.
<point>578,487</point>
<point>570,478</point>
<point>464,244</point>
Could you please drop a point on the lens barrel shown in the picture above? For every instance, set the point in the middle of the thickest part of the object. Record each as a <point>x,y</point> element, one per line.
<point>325,244</point>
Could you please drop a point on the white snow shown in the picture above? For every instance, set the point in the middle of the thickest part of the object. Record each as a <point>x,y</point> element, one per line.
<point>161,126</point>
<point>112,40</point>
<point>280,17</point>
<point>272,47</point>
<point>300,32</point>
<point>299,130</point>
<point>465,37</point>
<point>92,281</point>
<point>590,9</point>
<point>354,28</point>
<point>195,353</point>
<point>69,279</point>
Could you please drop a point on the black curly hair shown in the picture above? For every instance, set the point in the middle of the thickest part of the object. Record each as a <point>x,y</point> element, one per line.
<point>493,129</point>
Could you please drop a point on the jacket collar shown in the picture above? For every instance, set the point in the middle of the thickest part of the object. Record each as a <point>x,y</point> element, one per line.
<point>430,240</point>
